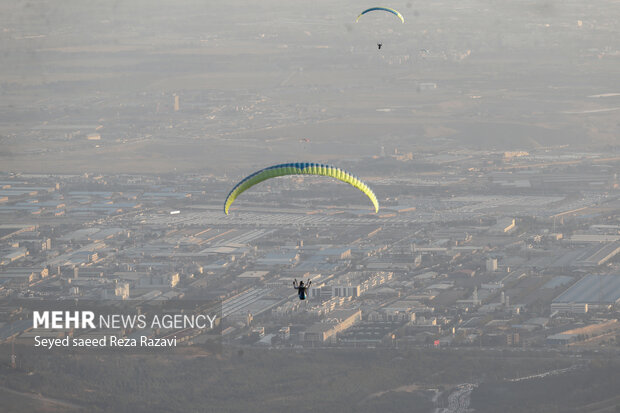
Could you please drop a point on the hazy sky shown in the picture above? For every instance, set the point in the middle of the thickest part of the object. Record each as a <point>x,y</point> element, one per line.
<point>255,79</point>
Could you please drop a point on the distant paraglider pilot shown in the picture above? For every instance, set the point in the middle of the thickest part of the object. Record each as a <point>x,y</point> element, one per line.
<point>385,9</point>
<point>302,290</point>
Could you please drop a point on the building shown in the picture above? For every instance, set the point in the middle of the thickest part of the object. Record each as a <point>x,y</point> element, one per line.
<point>253,275</point>
<point>503,226</point>
<point>572,308</point>
<point>599,255</point>
<point>345,291</point>
<point>284,333</point>
<point>391,316</point>
<point>592,291</point>
<point>280,258</point>
<point>581,333</point>
<point>117,291</point>
<point>352,284</point>
<point>13,255</point>
<point>15,276</point>
<point>36,244</point>
<point>338,321</point>
<point>561,339</point>
<point>491,264</point>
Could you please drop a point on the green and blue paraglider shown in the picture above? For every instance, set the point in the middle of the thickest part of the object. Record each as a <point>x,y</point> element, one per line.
<point>300,168</point>
<point>387,9</point>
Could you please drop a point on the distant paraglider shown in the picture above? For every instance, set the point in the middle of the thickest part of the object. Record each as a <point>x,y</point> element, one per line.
<point>387,9</point>
<point>298,169</point>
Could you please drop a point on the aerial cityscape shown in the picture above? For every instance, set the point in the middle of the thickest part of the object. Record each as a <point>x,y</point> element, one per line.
<point>468,260</point>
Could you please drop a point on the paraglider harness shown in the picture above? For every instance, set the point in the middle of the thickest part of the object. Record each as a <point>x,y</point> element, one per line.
<point>301,288</point>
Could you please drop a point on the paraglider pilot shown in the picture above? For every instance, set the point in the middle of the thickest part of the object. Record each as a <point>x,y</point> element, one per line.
<point>301,288</point>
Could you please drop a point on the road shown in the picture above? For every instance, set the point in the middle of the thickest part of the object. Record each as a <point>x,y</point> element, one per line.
<point>459,399</point>
<point>546,374</point>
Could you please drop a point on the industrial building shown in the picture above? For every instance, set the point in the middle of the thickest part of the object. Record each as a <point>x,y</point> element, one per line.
<point>338,320</point>
<point>592,291</point>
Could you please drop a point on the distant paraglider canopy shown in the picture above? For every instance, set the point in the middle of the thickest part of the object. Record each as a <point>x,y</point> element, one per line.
<point>298,169</point>
<point>389,10</point>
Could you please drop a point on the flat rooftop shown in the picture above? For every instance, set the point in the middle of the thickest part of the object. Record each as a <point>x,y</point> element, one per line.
<point>592,289</point>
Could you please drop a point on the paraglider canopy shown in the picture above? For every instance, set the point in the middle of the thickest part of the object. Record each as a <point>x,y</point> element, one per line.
<point>387,9</point>
<point>299,168</point>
